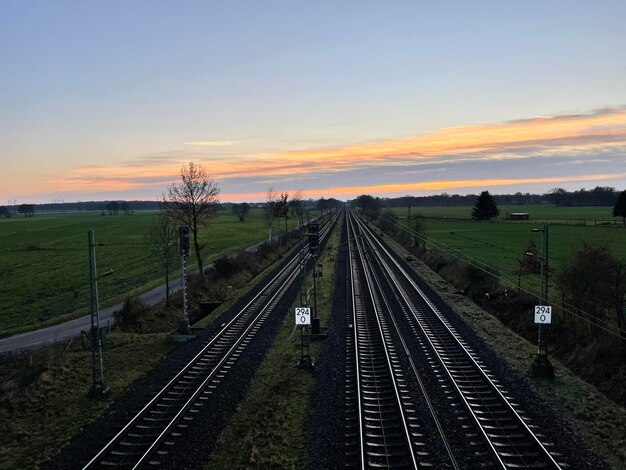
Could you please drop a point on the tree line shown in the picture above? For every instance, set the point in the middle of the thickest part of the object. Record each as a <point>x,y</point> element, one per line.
<point>27,210</point>
<point>598,196</point>
<point>485,205</point>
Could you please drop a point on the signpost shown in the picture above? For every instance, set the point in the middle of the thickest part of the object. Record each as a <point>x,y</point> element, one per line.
<point>303,316</point>
<point>303,320</point>
<point>541,365</point>
<point>543,314</point>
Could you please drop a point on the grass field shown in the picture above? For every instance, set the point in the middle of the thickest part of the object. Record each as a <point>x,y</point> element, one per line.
<point>44,264</point>
<point>499,244</point>
<point>538,212</point>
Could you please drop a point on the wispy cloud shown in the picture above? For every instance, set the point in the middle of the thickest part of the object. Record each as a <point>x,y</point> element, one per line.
<point>440,185</point>
<point>211,143</point>
<point>528,138</point>
<point>572,138</point>
<point>443,185</point>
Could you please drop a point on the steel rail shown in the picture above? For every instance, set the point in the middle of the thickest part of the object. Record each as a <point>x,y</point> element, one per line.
<point>273,287</point>
<point>469,355</point>
<point>370,284</point>
<point>424,392</point>
<point>352,272</point>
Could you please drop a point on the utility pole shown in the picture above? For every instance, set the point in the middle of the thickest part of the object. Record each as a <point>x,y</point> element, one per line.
<point>541,366</point>
<point>544,264</point>
<point>98,388</point>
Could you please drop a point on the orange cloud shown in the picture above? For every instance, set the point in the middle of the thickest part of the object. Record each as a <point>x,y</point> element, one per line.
<point>405,188</point>
<point>535,137</point>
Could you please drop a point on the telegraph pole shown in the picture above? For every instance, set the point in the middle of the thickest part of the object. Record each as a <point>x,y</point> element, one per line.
<point>98,388</point>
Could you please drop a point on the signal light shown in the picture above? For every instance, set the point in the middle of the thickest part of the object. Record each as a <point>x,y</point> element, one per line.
<point>184,241</point>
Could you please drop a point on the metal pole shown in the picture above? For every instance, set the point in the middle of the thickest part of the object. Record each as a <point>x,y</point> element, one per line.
<point>543,295</point>
<point>94,319</point>
<point>546,258</point>
<point>184,324</point>
<point>315,287</point>
<point>302,266</point>
<point>98,387</point>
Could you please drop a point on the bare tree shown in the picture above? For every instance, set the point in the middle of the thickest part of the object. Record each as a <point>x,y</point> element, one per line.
<point>282,208</point>
<point>193,202</point>
<point>270,206</point>
<point>162,237</point>
<point>296,206</point>
<point>27,209</point>
<point>240,210</point>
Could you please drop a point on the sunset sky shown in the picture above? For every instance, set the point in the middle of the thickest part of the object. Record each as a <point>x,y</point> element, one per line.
<point>107,100</point>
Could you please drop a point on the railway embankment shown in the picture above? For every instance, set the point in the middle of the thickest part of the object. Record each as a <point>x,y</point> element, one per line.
<point>586,411</point>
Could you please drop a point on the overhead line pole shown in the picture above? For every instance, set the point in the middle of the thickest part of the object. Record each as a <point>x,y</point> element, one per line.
<point>98,388</point>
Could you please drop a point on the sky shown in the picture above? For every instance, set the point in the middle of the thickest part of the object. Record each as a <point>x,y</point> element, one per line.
<point>109,99</point>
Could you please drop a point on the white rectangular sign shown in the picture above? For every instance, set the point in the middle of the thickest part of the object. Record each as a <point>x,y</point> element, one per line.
<point>543,314</point>
<point>303,316</point>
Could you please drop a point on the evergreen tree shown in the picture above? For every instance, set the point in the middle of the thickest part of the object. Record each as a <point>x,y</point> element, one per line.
<point>619,210</point>
<point>485,207</point>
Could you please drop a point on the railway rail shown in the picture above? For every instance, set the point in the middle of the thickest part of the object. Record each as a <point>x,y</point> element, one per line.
<point>497,431</point>
<point>154,431</point>
<point>383,424</point>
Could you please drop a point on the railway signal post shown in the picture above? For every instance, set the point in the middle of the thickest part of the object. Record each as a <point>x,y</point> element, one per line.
<point>98,387</point>
<point>303,282</point>
<point>183,325</point>
<point>314,241</point>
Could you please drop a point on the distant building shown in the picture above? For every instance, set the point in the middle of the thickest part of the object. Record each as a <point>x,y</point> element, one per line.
<point>518,216</point>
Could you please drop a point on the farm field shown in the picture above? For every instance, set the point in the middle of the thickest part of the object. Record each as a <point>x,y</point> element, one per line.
<point>44,263</point>
<point>538,212</point>
<point>499,244</point>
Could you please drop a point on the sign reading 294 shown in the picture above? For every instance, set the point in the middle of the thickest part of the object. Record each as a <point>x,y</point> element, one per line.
<point>543,314</point>
<point>303,316</point>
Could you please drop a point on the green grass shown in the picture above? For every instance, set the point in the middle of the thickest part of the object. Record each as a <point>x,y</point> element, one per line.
<point>499,244</point>
<point>44,264</point>
<point>537,212</point>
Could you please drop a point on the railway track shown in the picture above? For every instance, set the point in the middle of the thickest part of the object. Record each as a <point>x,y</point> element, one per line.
<point>497,432</point>
<point>383,425</point>
<point>155,430</point>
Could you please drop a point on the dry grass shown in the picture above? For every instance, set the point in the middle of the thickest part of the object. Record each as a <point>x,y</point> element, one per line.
<point>43,397</point>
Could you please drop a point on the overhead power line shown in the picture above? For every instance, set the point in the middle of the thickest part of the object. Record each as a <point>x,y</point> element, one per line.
<point>599,323</point>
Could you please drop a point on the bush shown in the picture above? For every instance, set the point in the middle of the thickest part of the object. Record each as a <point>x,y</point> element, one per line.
<point>132,312</point>
<point>225,266</point>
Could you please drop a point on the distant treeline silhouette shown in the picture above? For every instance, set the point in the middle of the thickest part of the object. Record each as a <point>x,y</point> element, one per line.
<point>599,196</point>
